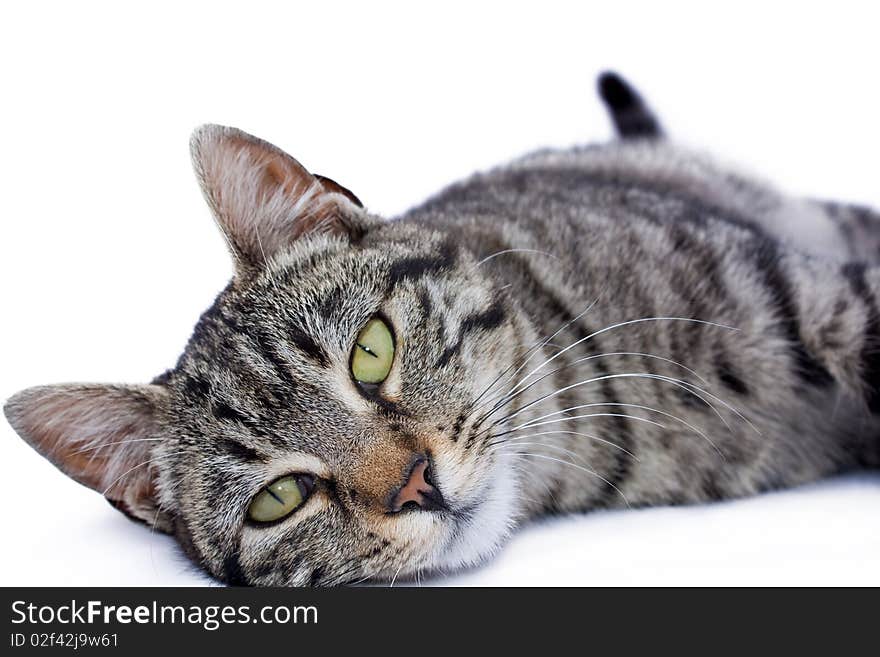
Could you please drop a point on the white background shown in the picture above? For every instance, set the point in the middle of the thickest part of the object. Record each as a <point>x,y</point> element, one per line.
<point>109,254</point>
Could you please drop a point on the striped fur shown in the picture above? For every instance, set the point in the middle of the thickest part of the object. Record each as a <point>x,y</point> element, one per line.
<point>629,324</point>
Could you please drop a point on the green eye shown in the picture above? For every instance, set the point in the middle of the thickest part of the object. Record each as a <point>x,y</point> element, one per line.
<point>373,353</point>
<point>280,498</point>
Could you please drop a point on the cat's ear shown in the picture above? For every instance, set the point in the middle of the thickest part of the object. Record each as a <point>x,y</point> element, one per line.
<point>103,436</point>
<point>264,199</point>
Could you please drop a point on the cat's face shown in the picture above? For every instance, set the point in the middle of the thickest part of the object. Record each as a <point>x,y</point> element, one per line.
<point>322,425</point>
<point>267,389</point>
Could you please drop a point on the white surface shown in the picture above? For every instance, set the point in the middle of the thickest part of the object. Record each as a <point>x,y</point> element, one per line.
<point>109,254</point>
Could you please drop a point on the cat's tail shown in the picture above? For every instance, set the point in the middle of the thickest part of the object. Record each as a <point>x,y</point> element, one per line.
<point>632,117</point>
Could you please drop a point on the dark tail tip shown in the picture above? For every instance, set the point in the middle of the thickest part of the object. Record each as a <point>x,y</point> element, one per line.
<point>631,116</point>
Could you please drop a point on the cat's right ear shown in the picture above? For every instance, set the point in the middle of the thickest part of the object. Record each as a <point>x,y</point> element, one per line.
<point>103,436</point>
<point>264,200</point>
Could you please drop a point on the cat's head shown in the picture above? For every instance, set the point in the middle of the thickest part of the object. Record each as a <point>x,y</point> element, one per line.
<point>321,425</point>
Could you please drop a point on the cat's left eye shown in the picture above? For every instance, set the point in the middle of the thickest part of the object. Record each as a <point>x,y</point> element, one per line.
<point>281,498</point>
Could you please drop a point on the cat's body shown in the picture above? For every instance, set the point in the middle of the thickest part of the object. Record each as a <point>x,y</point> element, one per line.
<point>644,230</point>
<point>627,324</point>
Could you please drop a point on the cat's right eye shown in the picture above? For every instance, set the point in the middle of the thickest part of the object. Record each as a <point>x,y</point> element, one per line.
<point>373,353</point>
<point>281,498</point>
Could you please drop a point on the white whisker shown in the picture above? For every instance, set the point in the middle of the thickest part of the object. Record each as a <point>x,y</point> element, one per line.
<point>574,465</point>
<point>639,406</point>
<point>139,465</point>
<point>514,444</point>
<point>514,392</point>
<point>530,353</point>
<point>117,442</point>
<point>529,425</point>
<point>627,323</point>
<point>608,354</point>
<point>498,253</point>
<point>571,433</point>
<point>394,579</point>
<point>159,509</point>
<point>644,375</point>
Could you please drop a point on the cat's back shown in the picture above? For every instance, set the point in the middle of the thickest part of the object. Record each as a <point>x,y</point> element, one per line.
<point>644,185</point>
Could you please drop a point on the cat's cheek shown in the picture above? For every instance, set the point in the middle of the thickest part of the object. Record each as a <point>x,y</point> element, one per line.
<point>463,475</point>
<point>485,529</point>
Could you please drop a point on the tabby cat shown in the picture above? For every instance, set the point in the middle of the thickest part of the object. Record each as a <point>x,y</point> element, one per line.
<point>609,326</point>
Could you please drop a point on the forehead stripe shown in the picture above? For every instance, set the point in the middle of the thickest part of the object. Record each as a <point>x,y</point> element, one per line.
<point>415,267</point>
<point>293,334</point>
<point>487,320</point>
<point>306,344</point>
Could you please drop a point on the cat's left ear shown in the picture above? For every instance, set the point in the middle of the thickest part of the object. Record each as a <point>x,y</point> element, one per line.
<point>264,200</point>
<point>103,436</point>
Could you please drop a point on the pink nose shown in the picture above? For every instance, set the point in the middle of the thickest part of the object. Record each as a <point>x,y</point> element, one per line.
<point>418,490</point>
